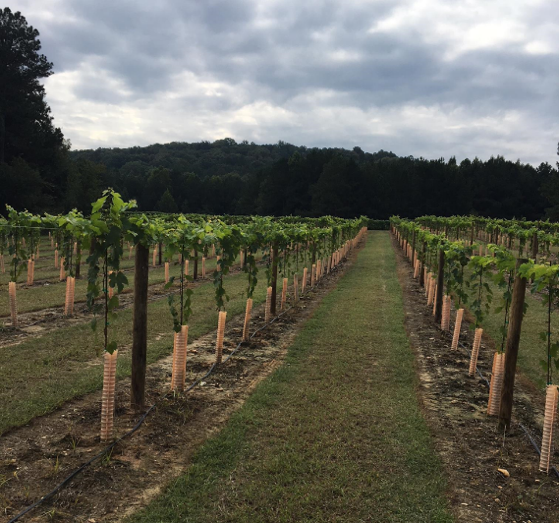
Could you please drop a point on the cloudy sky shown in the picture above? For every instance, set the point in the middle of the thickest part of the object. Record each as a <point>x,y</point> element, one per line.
<point>425,78</point>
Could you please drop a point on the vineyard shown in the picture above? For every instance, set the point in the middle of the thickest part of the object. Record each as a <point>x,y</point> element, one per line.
<point>486,266</point>
<point>94,300</point>
<point>130,338</point>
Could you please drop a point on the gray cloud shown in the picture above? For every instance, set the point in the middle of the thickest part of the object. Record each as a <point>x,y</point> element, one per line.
<point>478,80</point>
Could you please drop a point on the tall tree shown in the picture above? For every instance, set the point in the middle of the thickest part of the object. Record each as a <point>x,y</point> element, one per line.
<point>26,128</point>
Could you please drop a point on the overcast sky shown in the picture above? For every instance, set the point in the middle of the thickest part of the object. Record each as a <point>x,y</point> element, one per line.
<point>425,78</point>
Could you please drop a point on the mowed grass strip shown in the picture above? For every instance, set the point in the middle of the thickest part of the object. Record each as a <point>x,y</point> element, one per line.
<point>335,434</point>
<point>42,373</point>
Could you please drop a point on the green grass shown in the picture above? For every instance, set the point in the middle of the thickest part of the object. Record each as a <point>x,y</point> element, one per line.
<point>42,373</point>
<point>39,297</point>
<point>532,349</point>
<point>335,434</point>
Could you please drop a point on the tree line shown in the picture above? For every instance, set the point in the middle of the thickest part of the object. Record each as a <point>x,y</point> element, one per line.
<point>39,172</point>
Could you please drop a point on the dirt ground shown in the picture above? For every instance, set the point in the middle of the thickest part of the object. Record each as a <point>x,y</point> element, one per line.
<point>36,457</point>
<point>467,440</point>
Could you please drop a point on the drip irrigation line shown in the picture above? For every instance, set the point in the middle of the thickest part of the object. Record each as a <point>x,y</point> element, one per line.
<point>139,423</point>
<point>526,432</point>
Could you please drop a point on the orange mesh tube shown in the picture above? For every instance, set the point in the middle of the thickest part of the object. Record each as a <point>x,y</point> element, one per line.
<point>186,267</point>
<point>551,396</point>
<point>203,267</point>
<point>56,259</point>
<point>108,396</point>
<point>429,291</point>
<point>475,351</point>
<point>305,277</point>
<point>496,386</point>
<point>13,302</point>
<point>434,299</point>
<point>283,294</point>
<point>416,269</point>
<point>29,269</point>
<point>69,303</point>
<point>248,312</point>
<point>267,312</point>
<point>154,255</point>
<point>220,334</point>
<point>62,271</point>
<point>457,327</point>
<point>178,377</point>
<point>296,287</point>
<point>313,274</point>
<point>130,252</point>
<point>166,272</point>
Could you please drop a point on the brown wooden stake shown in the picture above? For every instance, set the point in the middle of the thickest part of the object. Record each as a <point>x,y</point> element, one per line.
<point>296,287</point>
<point>160,252</point>
<point>516,315</point>
<point>305,278</point>
<point>186,267</point>
<point>203,267</point>
<point>139,329</point>
<point>313,274</point>
<point>13,302</point>
<point>154,256</point>
<point>457,327</point>
<point>435,299</point>
<point>166,272</point>
<point>2,267</point>
<point>111,289</point>
<point>496,386</point>
<point>440,288</point>
<point>220,334</point>
<point>246,324</point>
<point>475,351</point>
<point>108,396</point>
<point>445,320</point>
<point>268,312</point>
<point>551,398</point>
<point>422,270</point>
<point>77,269</point>
<point>274,282</point>
<point>283,294</point>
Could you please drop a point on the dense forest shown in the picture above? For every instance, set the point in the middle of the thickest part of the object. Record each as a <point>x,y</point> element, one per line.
<point>244,178</point>
<point>38,170</point>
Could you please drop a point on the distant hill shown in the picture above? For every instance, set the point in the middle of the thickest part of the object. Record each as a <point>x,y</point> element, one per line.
<point>226,177</point>
<point>206,159</point>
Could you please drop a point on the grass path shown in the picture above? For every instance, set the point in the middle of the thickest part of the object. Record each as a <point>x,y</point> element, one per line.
<point>335,434</point>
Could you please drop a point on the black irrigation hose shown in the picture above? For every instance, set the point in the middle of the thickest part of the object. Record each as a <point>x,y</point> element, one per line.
<point>140,422</point>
